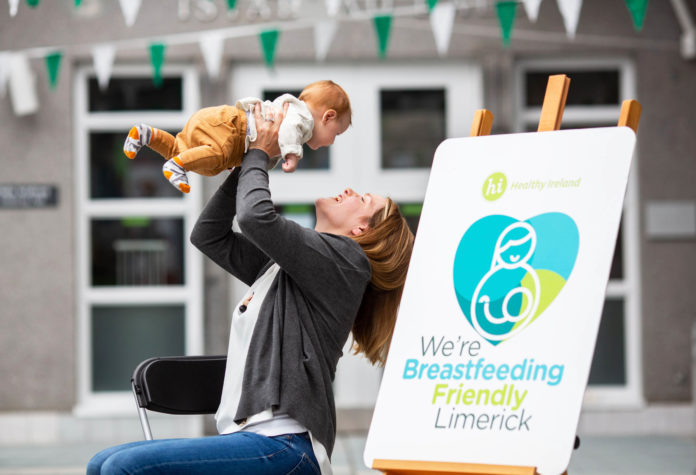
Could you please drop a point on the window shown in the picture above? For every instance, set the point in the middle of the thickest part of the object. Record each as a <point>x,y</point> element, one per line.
<point>311,159</point>
<point>412,125</point>
<point>596,91</point>
<point>113,177</point>
<point>140,283</point>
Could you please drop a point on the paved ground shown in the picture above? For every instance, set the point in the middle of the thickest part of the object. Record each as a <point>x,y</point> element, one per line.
<point>596,456</point>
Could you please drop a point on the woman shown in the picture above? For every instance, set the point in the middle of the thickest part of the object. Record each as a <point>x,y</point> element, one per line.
<point>308,290</point>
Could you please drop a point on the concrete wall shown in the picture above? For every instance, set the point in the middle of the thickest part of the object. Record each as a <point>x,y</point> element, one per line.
<point>667,150</point>
<point>37,277</point>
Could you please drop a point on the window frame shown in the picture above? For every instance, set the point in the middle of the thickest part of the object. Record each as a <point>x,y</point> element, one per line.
<point>628,395</point>
<point>190,294</point>
<point>363,171</point>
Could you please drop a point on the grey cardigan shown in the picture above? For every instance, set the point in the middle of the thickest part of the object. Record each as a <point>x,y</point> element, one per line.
<point>307,315</point>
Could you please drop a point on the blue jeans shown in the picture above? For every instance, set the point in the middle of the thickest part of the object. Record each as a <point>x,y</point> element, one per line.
<point>237,453</point>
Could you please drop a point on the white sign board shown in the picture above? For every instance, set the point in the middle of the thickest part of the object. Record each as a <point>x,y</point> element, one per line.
<point>498,322</point>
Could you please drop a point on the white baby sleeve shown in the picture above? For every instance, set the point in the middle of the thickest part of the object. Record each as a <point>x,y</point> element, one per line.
<point>296,128</point>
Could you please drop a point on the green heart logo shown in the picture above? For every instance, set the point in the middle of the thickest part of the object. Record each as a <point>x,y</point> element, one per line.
<point>507,272</point>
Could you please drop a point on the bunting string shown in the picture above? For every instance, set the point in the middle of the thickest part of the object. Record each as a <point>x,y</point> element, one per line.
<point>352,15</point>
<point>439,13</point>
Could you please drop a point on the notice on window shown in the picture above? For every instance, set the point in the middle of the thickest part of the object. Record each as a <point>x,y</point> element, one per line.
<point>28,196</point>
<point>498,322</point>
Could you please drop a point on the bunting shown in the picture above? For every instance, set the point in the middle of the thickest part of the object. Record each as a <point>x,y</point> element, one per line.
<point>442,15</point>
<point>570,11</point>
<point>637,9</point>
<point>506,17</point>
<point>383,27</point>
<point>4,73</point>
<point>157,51</point>
<point>22,86</point>
<point>14,4</point>
<point>531,7</point>
<point>103,60</point>
<point>53,67</point>
<point>269,40</point>
<point>212,46</point>
<point>130,9</point>
<point>324,32</point>
<point>441,22</point>
<point>332,7</point>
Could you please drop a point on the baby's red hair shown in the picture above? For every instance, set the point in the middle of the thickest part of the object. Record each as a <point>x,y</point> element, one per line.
<point>327,95</point>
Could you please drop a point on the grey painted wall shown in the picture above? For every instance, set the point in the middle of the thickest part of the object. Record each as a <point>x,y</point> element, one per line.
<point>37,275</point>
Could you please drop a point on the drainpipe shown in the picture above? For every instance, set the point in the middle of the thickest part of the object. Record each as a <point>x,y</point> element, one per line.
<point>688,37</point>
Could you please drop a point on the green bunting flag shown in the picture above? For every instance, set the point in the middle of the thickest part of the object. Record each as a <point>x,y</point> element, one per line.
<point>383,26</point>
<point>157,59</point>
<point>637,9</point>
<point>53,66</point>
<point>431,4</point>
<point>231,4</point>
<point>33,3</point>
<point>78,3</point>
<point>506,17</point>
<point>269,40</point>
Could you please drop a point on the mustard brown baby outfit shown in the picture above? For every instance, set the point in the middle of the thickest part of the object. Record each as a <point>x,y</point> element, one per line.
<point>215,138</point>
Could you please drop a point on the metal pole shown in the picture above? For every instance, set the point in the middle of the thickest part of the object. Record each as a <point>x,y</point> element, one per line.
<point>142,413</point>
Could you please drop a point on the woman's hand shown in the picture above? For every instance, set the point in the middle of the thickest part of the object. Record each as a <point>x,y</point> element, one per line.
<point>267,130</point>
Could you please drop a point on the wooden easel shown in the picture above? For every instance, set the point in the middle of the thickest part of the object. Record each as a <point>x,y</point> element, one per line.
<point>551,115</point>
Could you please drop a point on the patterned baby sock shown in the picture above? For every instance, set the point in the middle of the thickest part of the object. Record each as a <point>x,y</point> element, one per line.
<point>138,136</point>
<point>174,171</point>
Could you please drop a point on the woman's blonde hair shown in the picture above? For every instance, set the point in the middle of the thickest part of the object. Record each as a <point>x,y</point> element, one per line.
<point>388,243</point>
<point>327,95</point>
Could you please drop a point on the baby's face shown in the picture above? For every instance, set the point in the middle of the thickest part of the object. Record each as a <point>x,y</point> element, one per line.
<point>326,128</point>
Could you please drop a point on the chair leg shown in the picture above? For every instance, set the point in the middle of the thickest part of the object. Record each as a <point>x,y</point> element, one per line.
<point>142,413</point>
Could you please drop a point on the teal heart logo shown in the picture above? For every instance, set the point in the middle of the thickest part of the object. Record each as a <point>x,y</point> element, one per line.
<point>507,272</point>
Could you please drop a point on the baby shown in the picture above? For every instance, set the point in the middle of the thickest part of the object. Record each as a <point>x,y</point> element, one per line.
<point>215,138</point>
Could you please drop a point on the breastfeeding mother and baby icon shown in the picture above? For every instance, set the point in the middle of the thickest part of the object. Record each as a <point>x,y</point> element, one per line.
<point>507,272</point>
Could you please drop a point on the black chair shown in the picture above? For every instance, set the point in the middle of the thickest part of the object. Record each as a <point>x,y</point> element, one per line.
<point>183,385</point>
<point>178,385</point>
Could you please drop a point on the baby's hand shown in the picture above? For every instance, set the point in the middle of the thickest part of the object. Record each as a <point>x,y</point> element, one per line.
<point>290,163</point>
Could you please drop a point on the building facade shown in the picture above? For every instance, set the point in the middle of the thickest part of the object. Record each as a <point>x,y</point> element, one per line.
<point>100,275</point>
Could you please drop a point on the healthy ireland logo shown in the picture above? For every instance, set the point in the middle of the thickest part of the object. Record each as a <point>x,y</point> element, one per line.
<point>507,272</point>
<point>494,186</point>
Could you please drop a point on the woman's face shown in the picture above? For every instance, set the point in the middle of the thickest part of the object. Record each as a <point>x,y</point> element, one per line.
<point>348,213</point>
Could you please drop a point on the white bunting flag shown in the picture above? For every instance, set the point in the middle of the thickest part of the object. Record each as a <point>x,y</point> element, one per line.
<point>570,10</point>
<point>212,46</point>
<point>532,9</point>
<point>324,32</point>
<point>103,60</point>
<point>332,7</point>
<point>441,22</point>
<point>4,73</point>
<point>22,86</point>
<point>130,8</point>
<point>13,7</point>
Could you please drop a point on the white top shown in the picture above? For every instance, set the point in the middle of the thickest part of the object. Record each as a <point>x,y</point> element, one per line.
<point>295,130</point>
<point>266,422</point>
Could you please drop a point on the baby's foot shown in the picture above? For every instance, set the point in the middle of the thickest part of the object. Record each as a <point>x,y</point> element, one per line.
<point>138,136</point>
<point>173,171</point>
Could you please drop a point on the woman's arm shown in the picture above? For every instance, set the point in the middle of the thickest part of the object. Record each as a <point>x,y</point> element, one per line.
<point>213,235</point>
<point>317,262</point>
